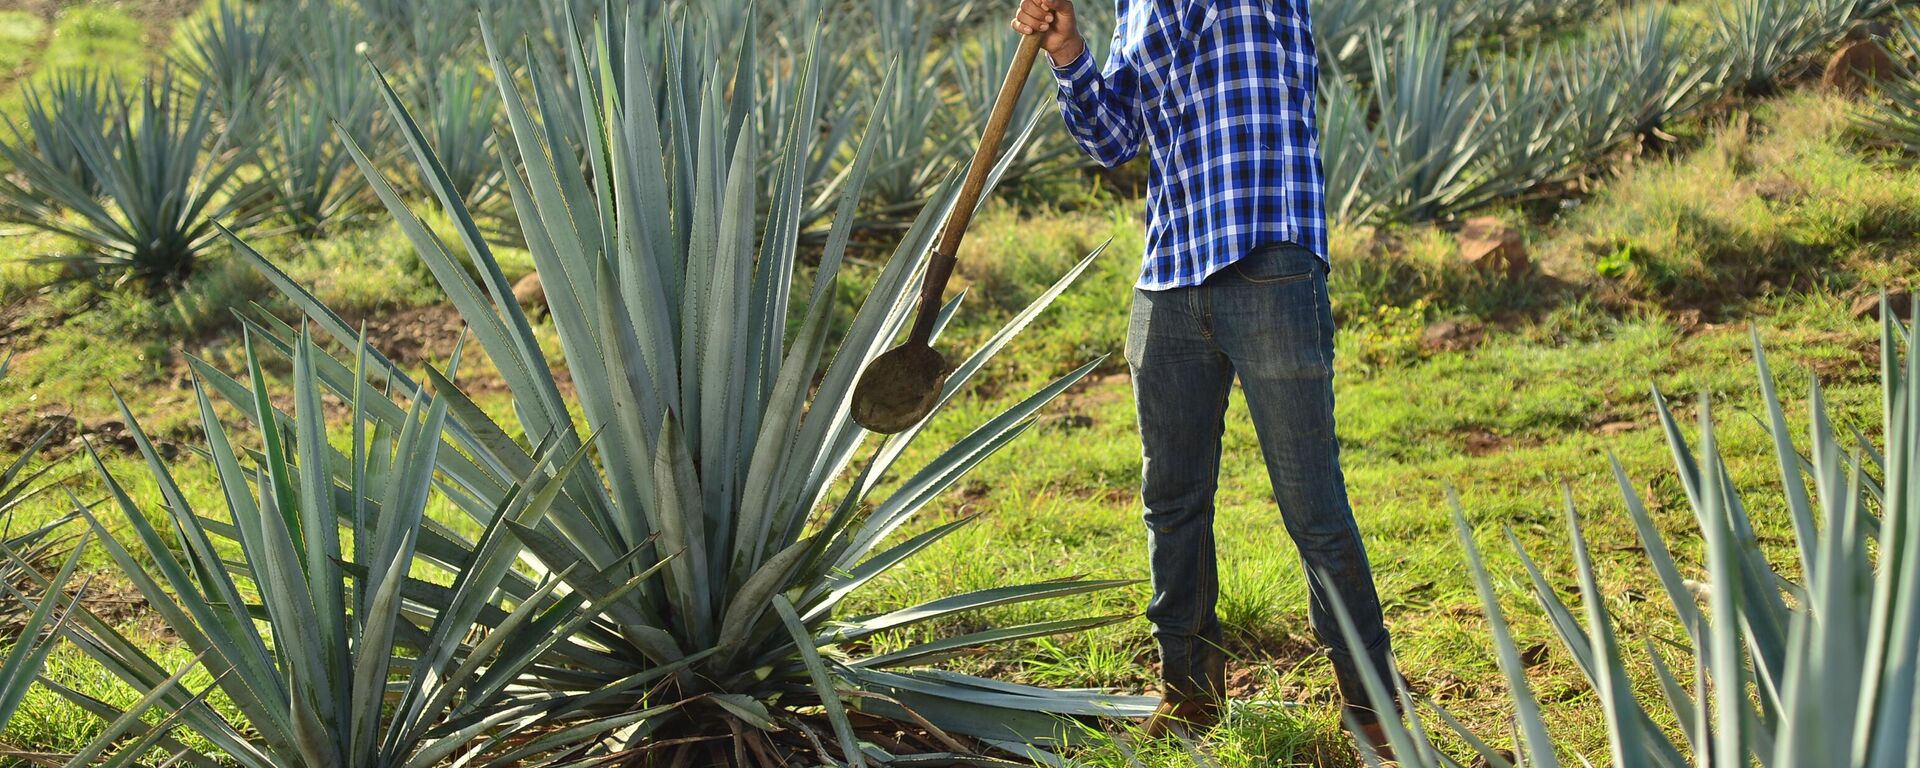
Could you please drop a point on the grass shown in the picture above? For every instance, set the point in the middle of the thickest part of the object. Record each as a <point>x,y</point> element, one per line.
<point>1774,221</point>
<point>100,34</point>
<point>1777,197</point>
<point>20,33</point>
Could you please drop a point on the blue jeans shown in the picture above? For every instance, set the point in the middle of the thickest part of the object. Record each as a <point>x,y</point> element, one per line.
<point>1267,321</point>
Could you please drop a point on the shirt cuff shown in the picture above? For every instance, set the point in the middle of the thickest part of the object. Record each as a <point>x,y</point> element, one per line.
<point>1077,74</point>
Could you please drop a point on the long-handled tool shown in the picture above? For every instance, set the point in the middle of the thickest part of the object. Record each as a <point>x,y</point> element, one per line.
<point>901,387</point>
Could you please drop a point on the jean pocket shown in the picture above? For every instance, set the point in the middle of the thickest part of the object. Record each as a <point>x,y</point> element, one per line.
<point>1278,266</point>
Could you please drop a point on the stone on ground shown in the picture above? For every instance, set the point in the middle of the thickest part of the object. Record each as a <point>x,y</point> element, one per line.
<point>530,295</point>
<point>1490,245</point>
<point>1858,65</point>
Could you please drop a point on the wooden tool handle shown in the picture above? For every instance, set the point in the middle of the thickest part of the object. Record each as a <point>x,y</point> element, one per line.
<point>945,255</point>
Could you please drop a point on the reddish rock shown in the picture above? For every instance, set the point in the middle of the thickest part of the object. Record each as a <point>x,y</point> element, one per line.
<point>1489,244</point>
<point>1868,307</point>
<point>1858,65</point>
<point>530,295</point>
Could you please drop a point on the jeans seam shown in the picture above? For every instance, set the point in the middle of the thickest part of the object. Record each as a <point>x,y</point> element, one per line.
<point>1208,553</point>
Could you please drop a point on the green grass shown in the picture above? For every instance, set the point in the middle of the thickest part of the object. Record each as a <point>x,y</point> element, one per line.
<point>98,34</point>
<point>20,33</point>
<point>1777,198</point>
<point>1562,381</point>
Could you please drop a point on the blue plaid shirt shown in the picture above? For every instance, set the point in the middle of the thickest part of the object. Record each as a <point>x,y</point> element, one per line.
<point>1223,94</point>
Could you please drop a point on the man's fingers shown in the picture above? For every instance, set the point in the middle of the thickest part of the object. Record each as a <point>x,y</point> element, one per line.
<point>1036,16</point>
<point>1029,22</point>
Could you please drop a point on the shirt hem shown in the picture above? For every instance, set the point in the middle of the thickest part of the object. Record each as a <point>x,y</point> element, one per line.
<point>1213,269</point>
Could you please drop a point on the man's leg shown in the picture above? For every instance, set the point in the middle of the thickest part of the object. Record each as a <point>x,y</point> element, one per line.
<point>1275,323</point>
<point>1180,381</point>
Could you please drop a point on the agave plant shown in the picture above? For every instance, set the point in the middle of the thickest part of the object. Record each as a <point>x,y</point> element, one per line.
<point>1895,117</point>
<point>335,71</point>
<point>334,565</point>
<point>234,53</point>
<point>1349,150</point>
<point>1546,127</point>
<point>915,154</point>
<point>1833,17</point>
<point>311,182</point>
<point>165,175</point>
<point>1434,125</point>
<point>1907,32</point>
<point>1342,30</point>
<point>1643,65</point>
<point>1767,650</point>
<point>978,71</point>
<point>1759,39</point>
<point>782,87</point>
<point>719,488</point>
<point>427,35</point>
<point>74,104</point>
<point>460,116</point>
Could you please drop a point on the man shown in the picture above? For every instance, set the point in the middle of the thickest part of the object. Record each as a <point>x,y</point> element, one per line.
<point>1222,92</point>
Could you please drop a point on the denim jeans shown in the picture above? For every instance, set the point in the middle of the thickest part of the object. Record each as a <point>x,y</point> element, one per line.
<point>1267,321</point>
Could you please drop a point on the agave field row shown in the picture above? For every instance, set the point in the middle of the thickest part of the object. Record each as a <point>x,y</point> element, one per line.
<point>1429,134</point>
<point>1766,644</point>
<point>244,127</point>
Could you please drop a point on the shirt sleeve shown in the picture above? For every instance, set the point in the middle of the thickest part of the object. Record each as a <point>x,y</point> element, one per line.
<point>1105,109</point>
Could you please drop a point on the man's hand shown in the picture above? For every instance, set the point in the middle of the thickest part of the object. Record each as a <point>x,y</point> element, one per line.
<point>1053,21</point>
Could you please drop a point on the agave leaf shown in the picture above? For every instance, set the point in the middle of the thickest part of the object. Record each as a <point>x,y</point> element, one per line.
<point>36,639</point>
<point>953,701</point>
<point>127,722</point>
<point>972,601</point>
<point>822,680</point>
<point>1538,745</point>
<point>1635,739</point>
<point>963,456</point>
<point>928,652</point>
<point>72,105</point>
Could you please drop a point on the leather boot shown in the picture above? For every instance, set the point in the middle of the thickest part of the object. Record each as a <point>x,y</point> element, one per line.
<point>1194,715</point>
<point>1375,736</point>
<point>1194,705</point>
